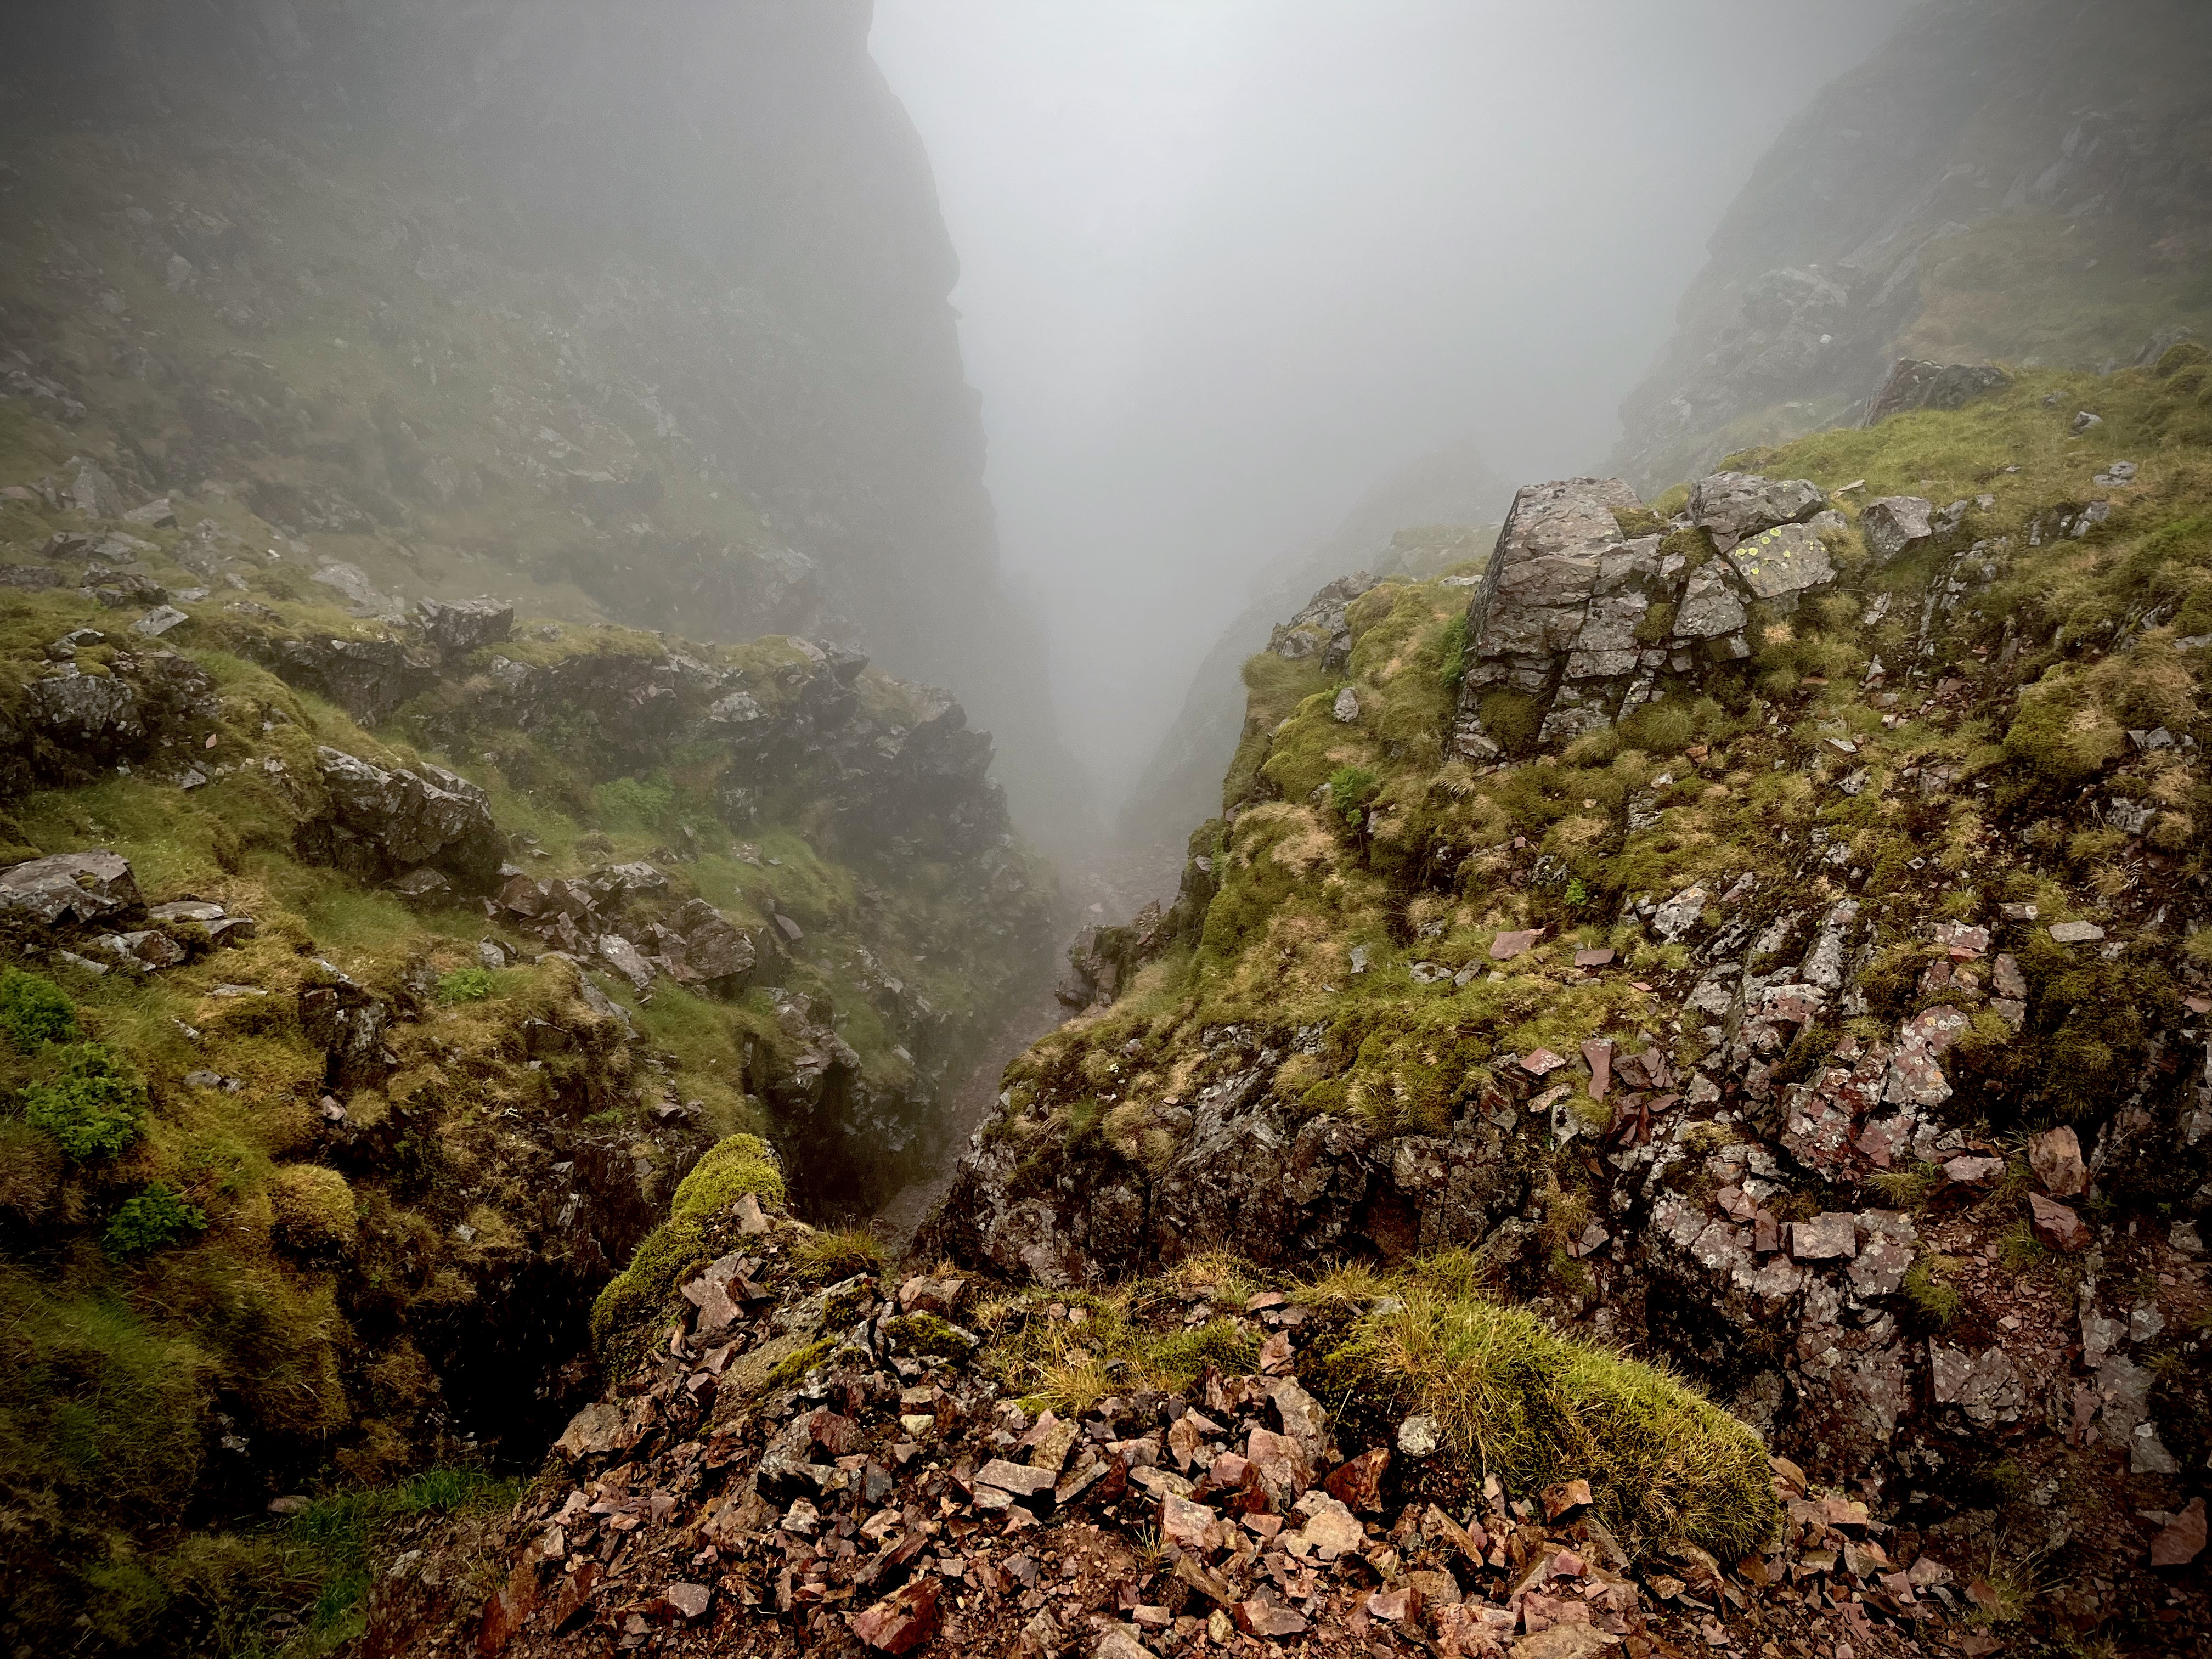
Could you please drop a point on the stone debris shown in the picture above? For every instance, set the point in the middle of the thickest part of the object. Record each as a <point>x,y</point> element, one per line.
<point>890,1498</point>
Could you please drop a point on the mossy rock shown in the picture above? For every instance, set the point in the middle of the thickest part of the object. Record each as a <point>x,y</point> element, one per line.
<point>732,1168</point>
<point>926,1333</point>
<point>312,1211</point>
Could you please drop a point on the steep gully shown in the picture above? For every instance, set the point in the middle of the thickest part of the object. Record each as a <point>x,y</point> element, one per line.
<point>1103,891</point>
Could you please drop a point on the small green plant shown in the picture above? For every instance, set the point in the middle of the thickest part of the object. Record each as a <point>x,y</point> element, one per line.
<point>466,985</point>
<point>1908,1188</point>
<point>1577,893</point>
<point>34,1011</point>
<point>89,1101</point>
<point>1350,789</point>
<point>1928,1287</point>
<point>825,1258</point>
<point>152,1220</point>
<point>1453,648</point>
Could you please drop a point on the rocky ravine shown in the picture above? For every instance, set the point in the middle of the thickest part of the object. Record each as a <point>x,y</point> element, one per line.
<point>1762,930</point>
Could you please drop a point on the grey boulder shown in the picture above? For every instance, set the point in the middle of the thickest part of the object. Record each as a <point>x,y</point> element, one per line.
<point>458,627</point>
<point>69,887</point>
<point>1914,383</point>
<point>411,818</point>
<point>75,708</point>
<point>1895,524</point>
<point>1735,505</point>
<point>92,492</point>
<point>1782,562</point>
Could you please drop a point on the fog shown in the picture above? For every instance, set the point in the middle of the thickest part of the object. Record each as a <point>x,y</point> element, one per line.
<point>1225,263</point>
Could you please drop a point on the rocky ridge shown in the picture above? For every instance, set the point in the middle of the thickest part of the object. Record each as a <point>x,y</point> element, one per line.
<point>1937,203</point>
<point>1766,927</point>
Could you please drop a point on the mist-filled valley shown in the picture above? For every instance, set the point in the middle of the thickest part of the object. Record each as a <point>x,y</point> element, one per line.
<point>1125,829</point>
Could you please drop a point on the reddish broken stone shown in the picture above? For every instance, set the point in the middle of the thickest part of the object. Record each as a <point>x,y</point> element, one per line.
<point>1399,1607</point>
<point>2056,1158</point>
<point>1358,1483</point>
<point>1541,1062</point>
<point>902,1621</point>
<point>1275,1354</point>
<point>688,1601</point>
<point>503,1614</point>
<point>1189,1526</point>
<point>2181,1540</point>
<point>1597,1054</point>
<point>1830,1236</point>
<point>1967,1170</point>
<point>2056,1224</point>
<point>1567,1495</point>
<point>1264,1617</point>
<point>1598,958</point>
<point>1506,947</point>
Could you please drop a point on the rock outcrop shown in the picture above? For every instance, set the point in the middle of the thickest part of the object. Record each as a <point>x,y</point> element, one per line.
<point>1576,622</point>
<point>1719,969</point>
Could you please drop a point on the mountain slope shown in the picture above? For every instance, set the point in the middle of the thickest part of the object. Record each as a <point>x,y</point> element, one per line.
<point>640,320</point>
<point>371,986</point>
<point>2021,182</point>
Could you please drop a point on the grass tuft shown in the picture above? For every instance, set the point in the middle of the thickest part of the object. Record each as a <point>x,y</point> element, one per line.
<point>1534,1408</point>
<point>825,1258</point>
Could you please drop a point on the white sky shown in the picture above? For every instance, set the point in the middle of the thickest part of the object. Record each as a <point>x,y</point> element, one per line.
<point>1225,263</point>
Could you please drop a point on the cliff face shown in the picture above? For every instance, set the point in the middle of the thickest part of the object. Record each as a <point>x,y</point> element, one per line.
<point>645,313</point>
<point>2020,180</point>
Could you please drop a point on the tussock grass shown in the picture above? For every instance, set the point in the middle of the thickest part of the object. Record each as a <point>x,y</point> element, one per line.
<point>1514,1399</point>
<point>826,1257</point>
<point>1108,1344</point>
<point>1534,1408</point>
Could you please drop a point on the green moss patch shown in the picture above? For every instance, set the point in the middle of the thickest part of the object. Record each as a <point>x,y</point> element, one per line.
<point>735,1167</point>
